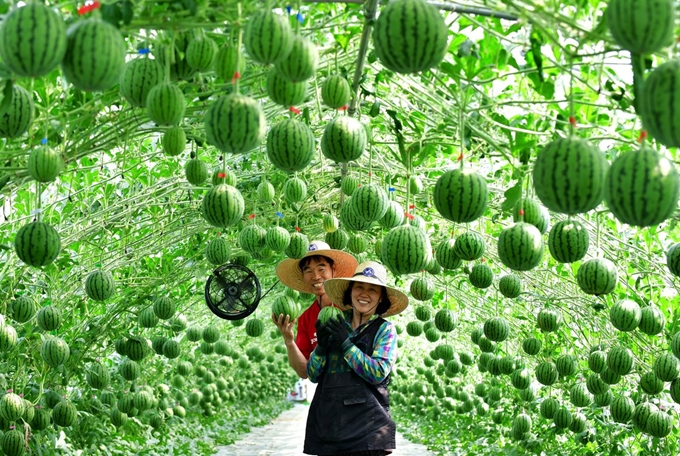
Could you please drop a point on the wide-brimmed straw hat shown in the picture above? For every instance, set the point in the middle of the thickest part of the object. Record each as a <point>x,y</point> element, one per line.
<point>289,273</point>
<point>368,272</point>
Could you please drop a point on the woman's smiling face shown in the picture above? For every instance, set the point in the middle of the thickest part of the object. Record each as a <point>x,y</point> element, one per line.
<point>366,297</point>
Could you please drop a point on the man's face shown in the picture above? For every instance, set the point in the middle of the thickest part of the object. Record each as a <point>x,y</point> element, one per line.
<point>315,273</point>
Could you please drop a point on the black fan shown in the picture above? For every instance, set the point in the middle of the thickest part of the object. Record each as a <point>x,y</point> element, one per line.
<point>233,292</point>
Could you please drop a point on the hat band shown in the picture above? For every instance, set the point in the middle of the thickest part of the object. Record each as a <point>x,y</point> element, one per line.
<point>362,274</point>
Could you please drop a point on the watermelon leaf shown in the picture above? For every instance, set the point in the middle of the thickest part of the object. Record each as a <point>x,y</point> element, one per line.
<point>512,195</point>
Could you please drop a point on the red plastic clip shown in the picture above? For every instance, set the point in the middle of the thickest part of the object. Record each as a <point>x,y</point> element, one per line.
<point>460,157</point>
<point>344,108</point>
<point>251,216</point>
<point>294,110</point>
<point>89,7</point>
<point>643,136</point>
<point>221,175</point>
<point>297,228</point>
<point>521,212</point>
<point>409,216</point>
<point>572,121</point>
<point>236,77</point>
<point>412,206</point>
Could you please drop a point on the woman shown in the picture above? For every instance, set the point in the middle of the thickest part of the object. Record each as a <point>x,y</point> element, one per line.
<point>352,362</point>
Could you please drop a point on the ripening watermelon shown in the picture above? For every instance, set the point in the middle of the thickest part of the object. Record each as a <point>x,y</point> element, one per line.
<point>201,53</point>
<point>235,123</point>
<point>394,215</point>
<point>520,247</point>
<point>16,111</point>
<point>44,164</point>
<point>165,104</point>
<point>302,61</point>
<point>446,255</point>
<point>641,26</point>
<point>268,37</point>
<point>222,206</point>
<point>286,306</point>
<point>196,171</point>
<point>327,313</point>
<point>37,244</point>
<point>656,103</point>
<point>510,286</point>
<point>138,78</point>
<point>405,249</point>
<point>290,145</point>
<point>174,141</point>
<point>228,62</point>
<point>568,241</point>
<point>335,91</point>
<point>460,195</point>
<point>284,92</point>
<point>530,211</point>
<point>625,315</point>
<point>22,309</point>
<point>295,190</point>
<point>369,202</point>
<point>54,351</point>
<point>344,139</point>
<point>597,276</point>
<point>99,285</point>
<point>218,251</point>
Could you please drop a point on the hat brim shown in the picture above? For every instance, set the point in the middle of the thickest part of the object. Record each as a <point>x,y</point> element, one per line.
<point>336,288</point>
<point>289,273</point>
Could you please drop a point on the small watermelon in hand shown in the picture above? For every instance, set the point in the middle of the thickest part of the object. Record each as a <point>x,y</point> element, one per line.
<point>327,313</point>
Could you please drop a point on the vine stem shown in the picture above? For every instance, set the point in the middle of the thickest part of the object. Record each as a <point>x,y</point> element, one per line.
<point>370,8</point>
<point>237,81</point>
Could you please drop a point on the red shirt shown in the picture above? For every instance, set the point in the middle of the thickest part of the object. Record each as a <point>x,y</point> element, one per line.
<point>306,329</point>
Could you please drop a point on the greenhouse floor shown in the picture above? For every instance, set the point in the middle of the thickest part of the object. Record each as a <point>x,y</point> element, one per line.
<point>285,435</point>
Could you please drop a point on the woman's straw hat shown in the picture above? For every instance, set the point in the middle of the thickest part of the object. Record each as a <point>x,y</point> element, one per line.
<point>289,273</point>
<point>368,272</point>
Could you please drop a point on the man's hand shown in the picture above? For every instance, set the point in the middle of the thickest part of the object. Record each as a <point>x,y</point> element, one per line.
<point>285,327</point>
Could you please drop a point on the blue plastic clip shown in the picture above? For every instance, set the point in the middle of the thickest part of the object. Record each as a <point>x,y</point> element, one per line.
<point>300,18</point>
<point>279,215</point>
<point>392,189</point>
<point>143,51</point>
<point>43,141</point>
<point>289,9</point>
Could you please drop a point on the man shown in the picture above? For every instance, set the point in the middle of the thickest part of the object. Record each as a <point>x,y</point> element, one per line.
<point>308,275</point>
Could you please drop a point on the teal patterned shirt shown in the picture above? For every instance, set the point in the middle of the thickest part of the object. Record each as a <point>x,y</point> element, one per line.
<point>374,368</point>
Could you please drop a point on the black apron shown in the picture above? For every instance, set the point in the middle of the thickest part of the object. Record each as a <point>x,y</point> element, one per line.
<point>347,413</point>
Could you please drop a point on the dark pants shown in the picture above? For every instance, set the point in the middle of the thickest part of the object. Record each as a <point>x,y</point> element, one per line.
<point>361,453</point>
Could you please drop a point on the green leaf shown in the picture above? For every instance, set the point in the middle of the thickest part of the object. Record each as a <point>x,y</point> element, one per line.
<point>512,195</point>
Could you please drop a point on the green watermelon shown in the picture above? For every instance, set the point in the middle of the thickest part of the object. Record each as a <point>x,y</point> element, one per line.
<point>11,406</point>
<point>369,203</point>
<point>620,360</point>
<point>164,307</point>
<point>650,383</point>
<point>218,251</point>
<point>568,241</point>
<point>641,26</point>
<point>659,424</point>
<point>422,289</point>
<point>54,351</point>
<point>335,91</point>
<point>302,61</point>
<point>597,276</point>
<point>652,320</point>
<point>496,329</point>
<point>295,190</point>
<point>529,210</point>
<point>32,40</point>
<point>16,111</point>
<point>118,418</point>
<point>579,395</point>
<point>394,215</point>
<point>254,327</point>
<point>625,315</point>
<point>265,191</point>
<point>268,37</point>
<point>549,320</point>
<point>597,361</point>
<point>147,318</point>
<point>173,55</point>
<point>49,318</point>
<point>44,164</point>
<point>546,373</point>
<point>481,276</point>
<point>13,443</point>
<point>667,367</point>
<point>569,175</point>
<point>621,409</point>
<point>566,365</point>
<point>520,247</point>
<point>165,104</point>
<point>357,244</point>
<point>344,139</point>
<point>228,62</point>
<point>174,141</point>
<point>349,184</point>
<point>235,123</point>
<point>201,54</point>
<point>22,309</point>
<point>405,250</point>
<point>284,92</point>
<point>277,239</point>
<point>410,36</point>
<point>642,187</point>
<point>223,176</point>
<point>297,248</point>
<point>196,171</point>
<point>222,206</point>
<point>330,223</point>
<point>327,313</point>
<point>510,286</point>
<point>95,55</point>
<point>286,306</point>
<point>337,239</point>
<point>97,376</point>
<point>531,346</point>
<point>446,255</point>
<point>460,195</point>
<point>138,78</point>
<point>642,413</point>
<point>445,320</point>
<point>99,285</point>
<point>469,246</point>
<point>37,244</point>
<point>673,259</point>
<point>350,219</point>
<point>290,145</point>
<point>252,238</point>
<point>171,349</point>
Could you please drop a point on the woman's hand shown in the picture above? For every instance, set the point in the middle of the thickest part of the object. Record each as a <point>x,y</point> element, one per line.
<point>285,326</point>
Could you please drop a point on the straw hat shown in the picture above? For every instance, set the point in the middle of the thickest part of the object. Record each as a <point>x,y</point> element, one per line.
<point>288,271</point>
<point>368,272</point>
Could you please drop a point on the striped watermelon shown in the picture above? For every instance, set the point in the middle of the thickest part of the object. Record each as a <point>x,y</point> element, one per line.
<point>675,390</point>
<point>650,383</point>
<point>460,195</point>
<point>223,176</point>
<point>195,171</point>
<point>44,164</point>
<point>284,92</point>
<point>641,26</point>
<point>174,141</point>
<point>549,407</point>
<point>344,139</point>
<point>99,285</point>
<point>37,244</point>
<point>673,259</point>
<point>286,306</point>
<point>579,395</point>
<point>610,377</point>
<point>235,123</point>
<point>201,53</point>
<point>138,78</point>
<point>251,238</point>
<point>171,349</point>
<point>652,320</point>
<point>563,418</point>
<point>481,276</point>
<point>596,385</point>
<point>531,346</point>
<point>143,400</point>
<point>357,244</point>
<point>350,219</point>
<point>295,190</point>
<point>369,203</point>
<point>659,424</point>
<point>118,418</point>
<point>97,376</point>
<point>218,252</point>
<point>621,409</point>
<point>620,360</point>
<point>432,335</point>
<point>137,348</point>
<point>277,239</point>
<point>597,276</point>
<point>165,104</point>
<point>604,400</point>
<point>335,91</point>
<point>327,313</point>
<point>394,216</point>
<point>521,379</point>
<point>268,37</point>
<point>529,210</point>
<point>625,315</point>
<point>446,256</point>
<point>16,111</point>
<point>54,351</point>
<point>297,248</point>
<point>549,320</point>
<point>254,327</point>
<point>415,185</point>
<point>642,187</point>
<point>330,223</point>
<point>568,241</point>
<point>194,333</point>
<point>569,175</point>
<point>520,247</point>
<point>642,413</point>
<point>597,361</point>
<point>11,406</point>
<point>95,55</point>
<point>32,40</point>
<point>546,373</point>
<point>13,443</point>
<point>496,329</point>
<point>22,309</point>
<point>157,343</point>
<point>349,184</point>
<point>173,55</point>
<point>164,307</point>
<point>410,36</point>
<point>265,191</point>
<point>510,286</point>
<point>405,249</point>
<point>337,239</point>
<point>222,206</point>
<point>147,318</point>
<point>228,62</point>
<point>302,61</point>
<point>423,313</point>
<point>566,365</point>
<point>290,145</point>
<point>656,103</point>
<point>422,289</point>
<point>445,320</point>
<point>578,424</point>
<point>667,367</point>
<point>469,246</point>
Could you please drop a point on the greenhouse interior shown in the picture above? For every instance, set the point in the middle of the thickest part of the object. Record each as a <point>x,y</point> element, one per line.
<point>156,215</point>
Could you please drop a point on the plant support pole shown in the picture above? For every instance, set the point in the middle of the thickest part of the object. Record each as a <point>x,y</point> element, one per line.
<point>370,8</point>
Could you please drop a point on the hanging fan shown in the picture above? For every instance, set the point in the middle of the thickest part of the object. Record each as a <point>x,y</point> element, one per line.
<point>232,292</point>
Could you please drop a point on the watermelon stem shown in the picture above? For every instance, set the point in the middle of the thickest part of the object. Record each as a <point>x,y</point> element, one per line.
<point>237,80</point>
